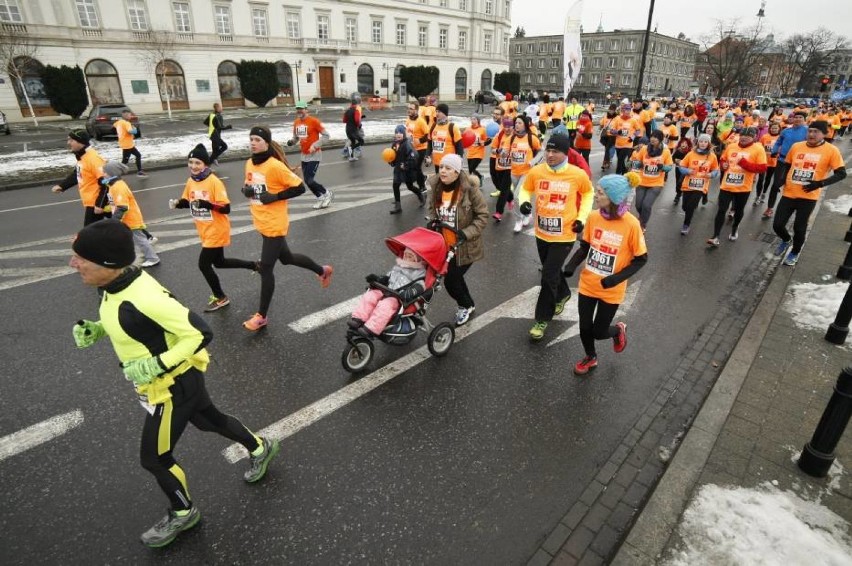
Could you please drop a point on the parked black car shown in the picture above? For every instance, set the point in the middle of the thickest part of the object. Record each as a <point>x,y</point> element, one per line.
<point>4,124</point>
<point>99,122</point>
<point>490,96</point>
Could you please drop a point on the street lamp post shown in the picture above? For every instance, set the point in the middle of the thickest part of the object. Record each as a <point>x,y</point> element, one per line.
<point>387,69</point>
<point>645,50</point>
<point>298,66</point>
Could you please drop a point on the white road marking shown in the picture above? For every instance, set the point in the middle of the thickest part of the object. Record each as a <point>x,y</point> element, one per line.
<point>572,314</point>
<point>40,433</point>
<point>320,318</point>
<point>516,307</point>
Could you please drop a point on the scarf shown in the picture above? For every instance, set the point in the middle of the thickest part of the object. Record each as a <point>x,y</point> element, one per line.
<point>203,175</point>
<point>260,158</point>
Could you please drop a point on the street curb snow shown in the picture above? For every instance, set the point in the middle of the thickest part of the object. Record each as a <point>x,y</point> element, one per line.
<point>659,519</point>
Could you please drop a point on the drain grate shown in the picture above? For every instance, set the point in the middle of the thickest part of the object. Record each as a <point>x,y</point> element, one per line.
<point>766,237</point>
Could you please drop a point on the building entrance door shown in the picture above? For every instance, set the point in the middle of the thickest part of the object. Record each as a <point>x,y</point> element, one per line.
<point>326,82</point>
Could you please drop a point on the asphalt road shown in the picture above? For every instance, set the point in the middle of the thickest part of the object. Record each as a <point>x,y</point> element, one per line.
<point>468,459</point>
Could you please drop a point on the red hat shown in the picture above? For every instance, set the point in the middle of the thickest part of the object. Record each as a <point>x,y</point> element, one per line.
<point>509,96</point>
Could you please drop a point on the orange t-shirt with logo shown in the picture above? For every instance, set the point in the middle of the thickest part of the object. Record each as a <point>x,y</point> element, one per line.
<point>271,176</point>
<point>561,197</point>
<point>544,109</point>
<point>125,137</point>
<point>429,114</point>
<point>735,179</point>
<point>767,140</point>
<point>581,142</point>
<point>651,173</point>
<point>700,166</point>
<point>417,129</point>
<point>501,151</point>
<point>810,164</point>
<point>671,136</point>
<point>625,130</point>
<point>89,170</point>
<point>307,131</point>
<point>444,143</point>
<point>522,150</point>
<point>477,149</point>
<point>120,195</point>
<point>214,228</point>
<point>557,109</point>
<point>612,246</point>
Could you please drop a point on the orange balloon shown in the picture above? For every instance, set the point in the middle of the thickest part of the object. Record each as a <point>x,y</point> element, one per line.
<point>388,154</point>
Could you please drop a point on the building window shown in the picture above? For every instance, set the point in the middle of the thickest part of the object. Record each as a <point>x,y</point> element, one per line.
<point>104,86</point>
<point>443,3</point>
<point>183,23</point>
<point>10,12</point>
<point>584,46</point>
<point>631,45</point>
<point>461,84</point>
<point>463,5</point>
<point>518,49</point>
<point>552,78</point>
<point>540,78</point>
<point>626,80</point>
<point>581,78</point>
<point>87,13</point>
<point>294,27</point>
<point>542,48</point>
<point>486,43</point>
<point>351,30</point>
<point>365,79</point>
<point>595,78</point>
<point>508,9</point>
<point>462,40</point>
<point>376,36</point>
<point>259,22</point>
<point>529,63</point>
<point>223,20</point>
<point>530,48</point>
<point>136,15</point>
<point>489,7</point>
<point>541,63</point>
<point>596,63</point>
<point>554,63</point>
<point>528,78</point>
<point>229,84</point>
<point>554,48</point>
<point>422,36</point>
<point>424,1</point>
<point>599,45</point>
<point>442,38</point>
<point>400,34</point>
<point>322,28</point>
<point>506,45</point>
<point>613,63</point>
<point>613,45</point>
<point>628,63</point>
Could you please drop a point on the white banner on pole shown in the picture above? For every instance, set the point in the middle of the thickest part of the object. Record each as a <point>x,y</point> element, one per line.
<point>572,56</point>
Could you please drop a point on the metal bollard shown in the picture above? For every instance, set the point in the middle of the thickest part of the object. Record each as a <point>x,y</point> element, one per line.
<point>818,454</point>
<point>839,329</point>
<point>848,236</point>
<point>844,272</point>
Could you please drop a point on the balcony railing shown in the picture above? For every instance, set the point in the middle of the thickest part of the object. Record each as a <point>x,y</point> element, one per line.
<point>325,44</point>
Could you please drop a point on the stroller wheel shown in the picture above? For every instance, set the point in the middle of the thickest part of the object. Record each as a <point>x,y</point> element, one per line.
<point>441,338</point>
<point>358,353</point>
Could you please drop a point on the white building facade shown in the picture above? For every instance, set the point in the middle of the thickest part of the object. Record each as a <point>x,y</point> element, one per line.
<point>322,48</point>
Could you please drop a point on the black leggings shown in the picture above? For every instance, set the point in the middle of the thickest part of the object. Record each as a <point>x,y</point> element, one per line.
<point>219,146</point>
<point>355,140</point>
<point>764,181</point>
<point>622,154</point>
<point>689,204</point>
<point>778,181</point>
<point>726,198</point>
<point>275,249</point>
<point>553,286</point>
<point>472,164</point>
<point>421,178</point>
<point>503,182</point>
<point>215,257</point>
<point>190,403</point>
<point>802,208</point>
<point>595,319</point>
<point>125,157</point>
<point>455,284</point>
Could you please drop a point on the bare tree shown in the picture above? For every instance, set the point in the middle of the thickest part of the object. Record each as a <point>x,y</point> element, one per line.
<point>159,46</point>
<point>730,56</point>
<point>809,54</point>
<point>17,52</point>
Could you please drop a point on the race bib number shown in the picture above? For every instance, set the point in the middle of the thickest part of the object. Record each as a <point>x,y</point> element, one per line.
<point>551,225</point>
<point>624,132</point>
<point>652,170</point>
<point>735,179</point>
<point>600,262</point>
<point>200,214</point>
<point>697,183</point>
<point>635,165</point>
<point>259,189</point>
<point>301,132</point>
<point>519,157</point>
<point>802,176</point>
<point>504,161</point>
<point>438,146</point>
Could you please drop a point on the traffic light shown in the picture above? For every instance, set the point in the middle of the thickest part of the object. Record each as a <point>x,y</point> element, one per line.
<point>823,83</point>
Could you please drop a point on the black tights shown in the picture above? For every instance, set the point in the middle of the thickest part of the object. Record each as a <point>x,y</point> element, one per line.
<point>595,325</point>
<point>725,199</point>
<point>190,403</point>
<point>689,204</point>
<point>215,257</point>
<point>472,164</point>
<point>802,208</point>
<point>764,182</point>
<point>456,286</point>
<point>275,249</point>
<point>553,286</point>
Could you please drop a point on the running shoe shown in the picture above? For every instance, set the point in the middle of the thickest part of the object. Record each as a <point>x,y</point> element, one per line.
<point>215,163</point>
<point>756,203</point>
<point>586,365</point>
<point>463,315</point>
<point>150,262</point>
<point>733,236</point>
<point>761,199</point>
<point>527,219</point>
<point>318,204</point>
<point>619,342</point>
<point>781,248</point>
<point>326,199</point>
<point>560,305</point>
<point>497,216</point>
<point>325,278</point>
<point>421,198</point>
<point>256,322</point>
<point>141,174</point>
<point>768,213</point>
<point>495,193</point>
<point>791,259</point>
<point>537,330</point>
<point>713,242</point>
<point>684,230</point>
<point>259,463</point>
<point>216,303</point>
<point>169,527</point>
<point>510,205</point>
<point>153,239</point>
<point>519,225</point>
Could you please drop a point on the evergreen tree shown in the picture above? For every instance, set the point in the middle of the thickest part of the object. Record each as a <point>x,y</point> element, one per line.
<point>420,80</point>
<point>66,89</point>
<point>507,82</point>
<point>258,81</point>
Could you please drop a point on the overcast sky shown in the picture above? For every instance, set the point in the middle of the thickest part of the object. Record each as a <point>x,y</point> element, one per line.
<point>783,17</point>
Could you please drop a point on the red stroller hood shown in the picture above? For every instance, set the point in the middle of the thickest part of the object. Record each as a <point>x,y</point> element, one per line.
<point>429,245</point>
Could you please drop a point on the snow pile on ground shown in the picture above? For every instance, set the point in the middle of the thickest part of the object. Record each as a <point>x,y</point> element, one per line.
<point>814,306</point>
<point>725,526</point>
<point>162,149</point>
<point>841,204</point>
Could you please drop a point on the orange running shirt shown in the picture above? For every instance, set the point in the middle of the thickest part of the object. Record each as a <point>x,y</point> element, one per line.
<point>442,142</point>
<point>521,150</point>
<point>307,131</point>
<point>581,142</point>
<point>417,129</point>
<point>125,137</point>
<point>561,197</point>
<point>120,195</point>
<point>652,168</point>
<point>767,140</point>
<point>270,176</point>
<point>700,166</point>
<point>736,179</point>
<point>214,228</point>
<point>501,151</point>
<point>810,164</point>
<point>89,170</point>
<point>477,149</point>
<point>612,246</point>
<point>625,130</point>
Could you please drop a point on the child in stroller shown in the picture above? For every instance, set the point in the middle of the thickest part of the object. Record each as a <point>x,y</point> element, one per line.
<point>394,307</point>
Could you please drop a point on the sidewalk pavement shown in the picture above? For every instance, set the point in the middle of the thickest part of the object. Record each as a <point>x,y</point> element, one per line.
<point>764,407</point>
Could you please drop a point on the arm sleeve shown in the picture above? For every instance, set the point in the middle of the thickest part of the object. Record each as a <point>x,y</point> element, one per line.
<point>222,208</point>
<point>291,192</point>
<point>587,194</point>
<point>629,270</point>
<point>839,175</point>
<point>578,257</point>
<point>69,181</point>
<point>752,167</point>
<point>526,192</point>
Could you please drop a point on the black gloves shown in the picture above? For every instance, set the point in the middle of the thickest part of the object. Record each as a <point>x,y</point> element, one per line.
<point>568,272</point>
<point>248,190</point>
<point>608,282</point>
<point>577,227</point>
<point>813,186</point>
<point>525,208</point>
<point>268,198</point>
<point>203,204</point>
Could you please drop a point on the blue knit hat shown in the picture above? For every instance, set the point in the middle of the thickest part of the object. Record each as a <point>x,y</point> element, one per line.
<point>616,187</point>
<point>400,129</point>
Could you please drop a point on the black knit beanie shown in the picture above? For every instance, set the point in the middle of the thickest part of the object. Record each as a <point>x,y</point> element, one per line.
<point>199,152</point>
<point>106,242</point>
<point>261,132</point>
